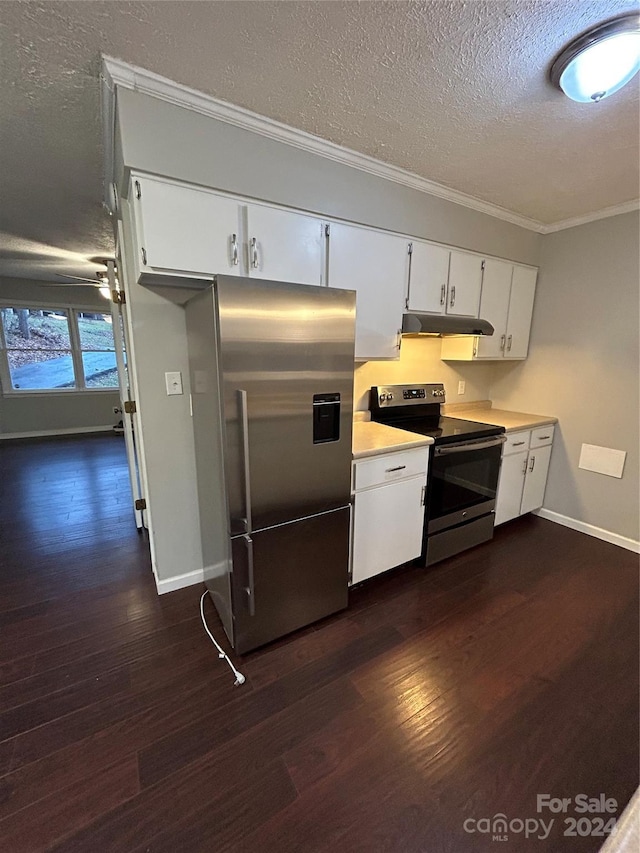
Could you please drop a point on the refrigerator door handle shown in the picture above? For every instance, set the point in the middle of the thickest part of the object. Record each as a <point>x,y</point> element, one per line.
<point>244,426</point>
<point>250,590</point>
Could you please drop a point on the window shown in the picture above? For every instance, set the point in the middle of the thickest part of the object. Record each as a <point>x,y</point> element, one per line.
<point>56,349</point>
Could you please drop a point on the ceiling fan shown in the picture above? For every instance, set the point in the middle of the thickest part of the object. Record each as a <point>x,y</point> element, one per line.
<point>101,280</point>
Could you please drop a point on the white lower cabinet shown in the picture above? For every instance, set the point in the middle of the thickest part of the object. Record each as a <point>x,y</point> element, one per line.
<point>523,474</point>
<point>388,513</point>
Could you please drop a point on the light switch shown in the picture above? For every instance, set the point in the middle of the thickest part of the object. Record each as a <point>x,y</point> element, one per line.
<point>602,460</point>
<point>173,382</point>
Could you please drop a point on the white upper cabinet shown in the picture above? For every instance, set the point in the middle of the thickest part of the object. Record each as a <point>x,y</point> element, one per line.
<point>465,284</point>
<point>508,291</point>
<point>375,265</point>
<point>184,230</point>
<point>494,307</point>
<point>429,277</point>
<point>523,290</point>
<point>444,281</point>
<point>284,245</point>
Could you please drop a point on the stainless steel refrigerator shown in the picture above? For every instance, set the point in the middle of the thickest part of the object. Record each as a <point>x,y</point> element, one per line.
<point>271,369</point>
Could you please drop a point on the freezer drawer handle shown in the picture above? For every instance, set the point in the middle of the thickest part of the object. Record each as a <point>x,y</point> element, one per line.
<point>397,468</point>
<point>244,426</point>
<point>250,590</point>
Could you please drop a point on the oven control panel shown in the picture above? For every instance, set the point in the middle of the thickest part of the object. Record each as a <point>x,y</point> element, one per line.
<point>386,396</point>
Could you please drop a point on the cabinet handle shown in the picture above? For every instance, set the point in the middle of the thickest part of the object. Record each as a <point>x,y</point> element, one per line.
<point>509,341</point>
<point>543,437</point>
<point>452,301</point>
<point>517,443</point>
<point>443,293</point>
<point>503,340</point>
<point>532,464</point>
<point>524,467</point>
<point>144,256</point>
<point>399,339</point>
<point>234,249</point>
<point>423,496</point>
<point>475,347</point>
<point>397,468</point>
<point>254,253</point>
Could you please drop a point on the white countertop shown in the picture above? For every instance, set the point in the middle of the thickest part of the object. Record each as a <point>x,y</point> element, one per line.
<point>512,421</point>
<point>373,439</point>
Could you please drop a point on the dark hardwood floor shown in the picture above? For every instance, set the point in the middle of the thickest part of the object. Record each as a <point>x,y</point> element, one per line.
<point>439,697</point>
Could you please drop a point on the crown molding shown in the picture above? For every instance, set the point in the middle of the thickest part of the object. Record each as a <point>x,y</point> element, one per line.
<point>603,213</point>
<point>116,73</point>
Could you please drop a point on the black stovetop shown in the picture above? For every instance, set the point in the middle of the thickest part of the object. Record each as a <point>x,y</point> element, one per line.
<point>445,430</point>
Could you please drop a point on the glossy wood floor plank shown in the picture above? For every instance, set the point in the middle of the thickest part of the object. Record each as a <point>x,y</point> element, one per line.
<point>439,695</point>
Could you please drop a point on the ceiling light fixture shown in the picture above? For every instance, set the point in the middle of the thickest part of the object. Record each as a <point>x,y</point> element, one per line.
<point>599,62</point>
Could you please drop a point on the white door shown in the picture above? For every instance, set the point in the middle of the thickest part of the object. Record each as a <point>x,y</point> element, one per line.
<point>536,479</point>
<point>375,265</point>
<point>428,278</point>
<point>387,527</point>
<point>510,486</point>
<point>285,246</point>
<point>523,289</point>
<point>494,307</point>
<point>187,230</point>
<point>465,284</point>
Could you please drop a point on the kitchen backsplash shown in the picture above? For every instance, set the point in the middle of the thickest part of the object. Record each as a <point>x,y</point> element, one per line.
<point>420,362</point>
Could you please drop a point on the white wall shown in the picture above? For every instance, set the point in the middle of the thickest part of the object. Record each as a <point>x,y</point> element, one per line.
<point>583,367</point>
<point>420,362</point>
<point>53,412</point>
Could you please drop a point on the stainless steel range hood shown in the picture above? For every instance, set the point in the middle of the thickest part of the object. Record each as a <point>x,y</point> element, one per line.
<point>444,324</point>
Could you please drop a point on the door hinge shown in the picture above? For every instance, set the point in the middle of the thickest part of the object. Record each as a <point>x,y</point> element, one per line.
<point>138,189</point>
<point>130,407</point>
<point>118,297</point>
<point>327,230</point>
<point>140,503</point>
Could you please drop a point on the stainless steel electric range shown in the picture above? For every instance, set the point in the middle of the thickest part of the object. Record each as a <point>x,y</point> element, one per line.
<point>464,466</point>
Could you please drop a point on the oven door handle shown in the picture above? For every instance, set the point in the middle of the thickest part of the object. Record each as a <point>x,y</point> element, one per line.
<point>470,445</point>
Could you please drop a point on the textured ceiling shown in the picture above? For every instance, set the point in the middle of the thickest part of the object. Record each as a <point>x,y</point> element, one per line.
<point>452,91</point>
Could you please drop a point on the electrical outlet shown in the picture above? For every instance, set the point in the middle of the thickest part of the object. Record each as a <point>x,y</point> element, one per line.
<point>461,386</point>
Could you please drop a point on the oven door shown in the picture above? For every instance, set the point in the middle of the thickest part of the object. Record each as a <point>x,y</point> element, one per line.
<point>463,481</point>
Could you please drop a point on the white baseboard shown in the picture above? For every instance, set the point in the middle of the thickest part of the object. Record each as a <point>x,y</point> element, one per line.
<point>590,530</point>
<point>180,581</point>
<point>43,433</point>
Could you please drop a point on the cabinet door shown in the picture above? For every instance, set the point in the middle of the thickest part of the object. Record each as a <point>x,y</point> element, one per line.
<point>494,307</point>
<point>284,245</point>
<point>523,288</point>
<point>428,278</point>
<point>186,230</point>
<point>465,284</point>
<point>536,480</point>
<point>387,527</point>
<point>510,486</point>
<point>375,265</point>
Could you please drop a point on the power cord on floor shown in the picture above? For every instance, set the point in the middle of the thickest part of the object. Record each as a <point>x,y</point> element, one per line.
<point>240,679</point>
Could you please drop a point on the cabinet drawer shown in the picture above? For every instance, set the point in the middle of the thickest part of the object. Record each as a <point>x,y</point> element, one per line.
<point>542,435</point>
<point>392,466</point>
<point>516,442</point>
